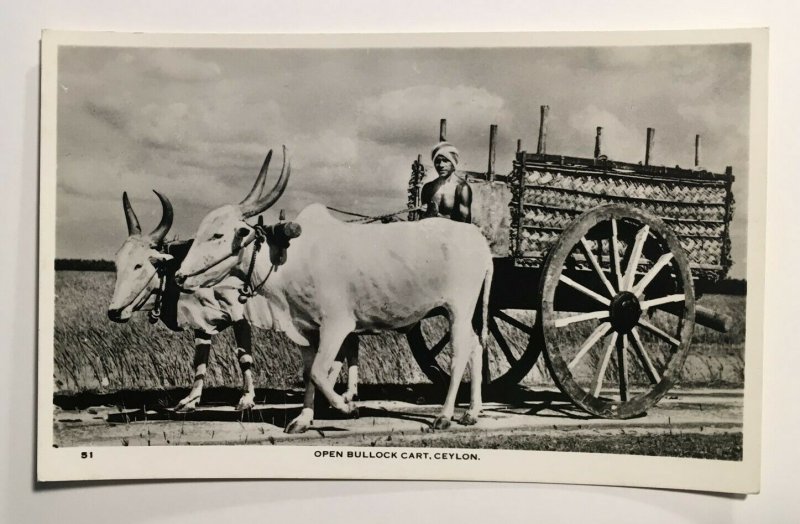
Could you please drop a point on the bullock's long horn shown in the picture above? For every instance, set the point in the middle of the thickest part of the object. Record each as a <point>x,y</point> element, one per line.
<point>263,202</point>
<point>258,186</point>
<point>158,234</point>
<point>130,216</point>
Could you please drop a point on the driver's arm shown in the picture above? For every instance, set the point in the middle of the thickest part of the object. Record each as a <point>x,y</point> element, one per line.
<point>464,204</point>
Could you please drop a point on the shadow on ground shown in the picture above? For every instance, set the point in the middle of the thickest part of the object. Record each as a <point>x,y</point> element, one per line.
<point>217,403</point>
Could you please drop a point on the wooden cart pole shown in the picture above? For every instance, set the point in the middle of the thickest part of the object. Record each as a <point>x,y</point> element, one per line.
<point>492,147</point>
<point>597,142</point>
<point>443,130</point>
<point>519,145</point>
<point>696,150</point>
<point>541,148</point>
<point>649,146</point>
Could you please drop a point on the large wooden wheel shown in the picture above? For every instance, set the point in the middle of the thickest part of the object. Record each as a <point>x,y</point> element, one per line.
<point>617,311</point>
<point>512,347</point>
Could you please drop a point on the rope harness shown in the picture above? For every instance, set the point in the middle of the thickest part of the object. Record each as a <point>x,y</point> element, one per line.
<point>155,313</point>
<point>262,235</point>
<point>366,219</point>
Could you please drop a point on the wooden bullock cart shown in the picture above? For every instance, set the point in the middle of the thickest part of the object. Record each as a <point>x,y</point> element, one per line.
<point>598,264</point>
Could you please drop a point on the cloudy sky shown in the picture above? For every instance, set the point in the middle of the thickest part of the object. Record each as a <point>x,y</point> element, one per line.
<point>196,124</point>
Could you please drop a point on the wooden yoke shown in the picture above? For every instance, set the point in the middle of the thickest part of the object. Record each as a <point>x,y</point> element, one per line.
<point>278,237</point>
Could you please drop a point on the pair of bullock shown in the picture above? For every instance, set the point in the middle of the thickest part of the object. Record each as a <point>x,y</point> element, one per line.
<point>341,279</point>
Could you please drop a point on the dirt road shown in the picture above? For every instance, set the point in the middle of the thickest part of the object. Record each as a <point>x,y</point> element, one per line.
<point>399,423</point>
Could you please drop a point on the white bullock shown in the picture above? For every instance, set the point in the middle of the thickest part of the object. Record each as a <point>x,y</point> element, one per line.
<point>145,270</point>
<point>344,278</point>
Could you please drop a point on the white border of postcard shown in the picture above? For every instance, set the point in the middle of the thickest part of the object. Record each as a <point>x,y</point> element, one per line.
<point>162,462</point>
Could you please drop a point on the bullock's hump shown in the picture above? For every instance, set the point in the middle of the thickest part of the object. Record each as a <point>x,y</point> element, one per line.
<point>315,213</point>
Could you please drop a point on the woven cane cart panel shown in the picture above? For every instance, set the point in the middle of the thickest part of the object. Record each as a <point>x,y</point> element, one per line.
<point>548,196</point>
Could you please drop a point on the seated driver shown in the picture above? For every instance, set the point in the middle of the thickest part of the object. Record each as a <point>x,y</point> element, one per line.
<point>448,195</point>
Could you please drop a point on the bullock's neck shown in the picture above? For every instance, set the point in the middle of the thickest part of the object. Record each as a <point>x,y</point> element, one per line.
<point>172,293</point>
<point>261,265</point>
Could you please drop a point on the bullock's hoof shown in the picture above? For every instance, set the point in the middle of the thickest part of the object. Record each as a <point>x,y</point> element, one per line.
<point>346,407</point>
<point>441,423</point>
<point>188,404</point>
<point>301,423</point>
<point>247,401</point>
<point>350,396</point>
<point>468,419</point>
<point>297,426</point>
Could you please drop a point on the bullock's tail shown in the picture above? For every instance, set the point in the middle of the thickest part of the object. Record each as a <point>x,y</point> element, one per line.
<point>480,315</point>
<point>487,286</point>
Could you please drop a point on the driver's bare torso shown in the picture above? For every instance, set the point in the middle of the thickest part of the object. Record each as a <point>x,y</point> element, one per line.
<point>449,197</point>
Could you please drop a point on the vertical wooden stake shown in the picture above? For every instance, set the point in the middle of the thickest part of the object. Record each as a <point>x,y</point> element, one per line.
<point>696,150</point>
<point>649,146</point>
<point>492,147</point>
<point>541,148</point>
<point>519,145</point>
<point>443,130</point>
<point>597,149</point>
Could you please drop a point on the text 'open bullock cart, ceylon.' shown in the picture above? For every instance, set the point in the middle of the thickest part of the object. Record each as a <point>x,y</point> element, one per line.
<point>598,264</point>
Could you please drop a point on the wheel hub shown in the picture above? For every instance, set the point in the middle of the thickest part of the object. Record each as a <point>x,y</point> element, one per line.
<point>625,311</point>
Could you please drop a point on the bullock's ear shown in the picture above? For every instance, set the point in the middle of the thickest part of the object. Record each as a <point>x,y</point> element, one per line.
<point>160,258</point>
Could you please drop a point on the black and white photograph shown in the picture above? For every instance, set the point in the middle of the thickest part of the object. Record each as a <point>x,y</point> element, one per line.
<point>489,257</point>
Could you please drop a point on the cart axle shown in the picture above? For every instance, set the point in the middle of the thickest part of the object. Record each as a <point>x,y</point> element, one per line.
<point>625,312</point>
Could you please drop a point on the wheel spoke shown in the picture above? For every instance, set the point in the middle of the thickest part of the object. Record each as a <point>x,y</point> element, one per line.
<point>601,371</point>
<point>641,352</point>
<point>501,341</point>
<point>585,290</point>
<point>622,367</point>
<point>645,281</point>
<point>659,333</point>
<point>508,319</point>
<point>587,252</point>
<point>435,350</point>
<point>615,252</point>
<point>633,262</point>
<point>596,335</point>
<point>565,321</point>
<point>669,299</point>
<point>486,374</point>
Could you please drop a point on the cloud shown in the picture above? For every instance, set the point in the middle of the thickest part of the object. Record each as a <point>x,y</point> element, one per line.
<point>330,147</point>
<point>168,64</point>
<point>410,116</point>
<point>181,125</point>
<point>619,141</point>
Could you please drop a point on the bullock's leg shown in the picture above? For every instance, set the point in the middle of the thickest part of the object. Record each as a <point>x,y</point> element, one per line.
<point>462,350</point>
<point>306,417</point>
<point>350,352</point>
<point>332,336</point>
<point>475,403</point>
<point>243,335</point>
<point>336,368</point>
<point>202,348</point>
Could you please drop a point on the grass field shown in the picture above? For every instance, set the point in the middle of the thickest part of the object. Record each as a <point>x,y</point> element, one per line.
<point>93,354</point>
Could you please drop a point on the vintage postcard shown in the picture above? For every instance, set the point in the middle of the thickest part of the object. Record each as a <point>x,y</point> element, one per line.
<point>508,257</point>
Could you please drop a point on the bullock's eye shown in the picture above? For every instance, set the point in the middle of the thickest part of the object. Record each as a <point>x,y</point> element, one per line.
<point>137,266</point>
<point>216,236</point>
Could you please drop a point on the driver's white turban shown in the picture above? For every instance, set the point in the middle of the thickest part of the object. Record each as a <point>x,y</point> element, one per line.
<point>446,150</point>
